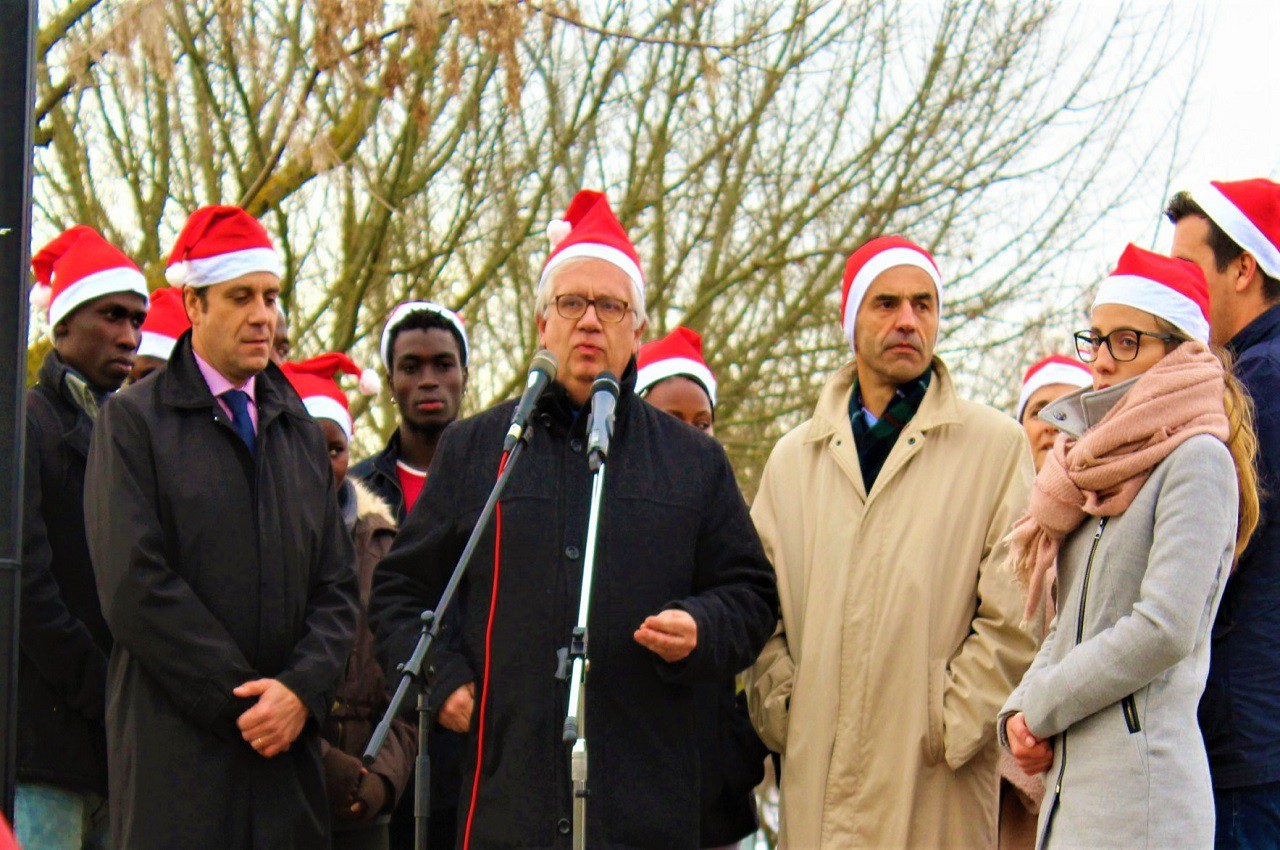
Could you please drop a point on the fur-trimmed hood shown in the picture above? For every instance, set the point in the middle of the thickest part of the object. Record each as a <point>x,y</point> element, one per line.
<point>357,502</point>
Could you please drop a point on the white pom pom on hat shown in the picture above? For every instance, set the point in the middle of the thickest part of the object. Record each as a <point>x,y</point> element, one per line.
<point>41,296</point>
<point>370,382</point>
<point>557,230</point>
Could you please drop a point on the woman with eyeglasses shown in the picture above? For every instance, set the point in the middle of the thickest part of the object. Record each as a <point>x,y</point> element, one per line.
<point>1134,523</point>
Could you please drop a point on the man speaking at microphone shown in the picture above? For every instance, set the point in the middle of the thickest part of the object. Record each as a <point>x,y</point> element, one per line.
<point>682,590</point>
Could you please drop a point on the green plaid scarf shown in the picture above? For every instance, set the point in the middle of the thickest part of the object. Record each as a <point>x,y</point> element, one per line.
<point>874,442</point>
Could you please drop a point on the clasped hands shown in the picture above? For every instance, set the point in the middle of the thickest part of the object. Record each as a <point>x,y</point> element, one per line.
<point>275,721</point>
<point>1034,755</point>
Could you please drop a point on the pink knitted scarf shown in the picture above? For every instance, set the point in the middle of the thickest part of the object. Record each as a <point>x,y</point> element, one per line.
<point>1100,473</point>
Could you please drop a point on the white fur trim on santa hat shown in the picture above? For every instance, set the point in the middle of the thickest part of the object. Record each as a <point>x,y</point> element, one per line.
<point>407,309</point>
<point>119,279</point>
<point>876,266</point>
<point>596,251</point>
<point>1157,299</point>
<point>224,267</point>
<point>1054,373</point>
<point>673,367</point>
<point>1239,227</point>
<point>156,345</point>
<point>323,407</point>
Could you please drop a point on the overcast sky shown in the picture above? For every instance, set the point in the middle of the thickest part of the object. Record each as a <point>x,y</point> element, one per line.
<point>1232,128</point>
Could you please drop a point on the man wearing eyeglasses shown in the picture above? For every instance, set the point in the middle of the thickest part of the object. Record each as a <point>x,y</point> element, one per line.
<point>682,592</point>
<point>1231,230</point>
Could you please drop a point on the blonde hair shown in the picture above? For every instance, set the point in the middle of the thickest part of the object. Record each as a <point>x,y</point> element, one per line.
<point>1242,442</point>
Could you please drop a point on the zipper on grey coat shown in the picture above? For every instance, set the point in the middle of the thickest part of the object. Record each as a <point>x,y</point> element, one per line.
<point>1129,706</point>
<point>1062,743</point>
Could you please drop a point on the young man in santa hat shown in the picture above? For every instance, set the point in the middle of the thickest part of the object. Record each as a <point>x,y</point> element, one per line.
<point>1231,230</point>
<point>360,798</point>
<point>682,593</point>
<point>166,321</point>
<point>426,355</point>
<point>885,516</point>
<point>224,570</point>
<point>96,300</point>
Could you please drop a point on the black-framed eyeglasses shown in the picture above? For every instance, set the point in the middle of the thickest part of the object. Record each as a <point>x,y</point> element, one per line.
<point>1123,343</point>
<point>611,310</point>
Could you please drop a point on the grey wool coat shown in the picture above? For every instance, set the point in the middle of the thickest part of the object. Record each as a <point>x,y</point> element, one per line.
<point>1118,679</point>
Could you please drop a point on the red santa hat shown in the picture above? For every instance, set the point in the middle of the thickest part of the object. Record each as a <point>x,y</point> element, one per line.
<point>218,244</point>
<point>872,260</point>
<point>166,321</point>
<point>1173,289</point>
<point>679,353</point>
<point>79,266</point>
<point>589,229</point>
<point>315,383</point>
<point>1054,369</point>
<point>1249,212</point>
<point>402,312</point>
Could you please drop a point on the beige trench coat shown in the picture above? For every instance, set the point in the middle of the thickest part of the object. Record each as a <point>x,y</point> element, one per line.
<point>900,635</point>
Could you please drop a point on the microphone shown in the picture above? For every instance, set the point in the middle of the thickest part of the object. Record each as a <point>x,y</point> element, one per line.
<point>542,371</point>
<point>604,401</point>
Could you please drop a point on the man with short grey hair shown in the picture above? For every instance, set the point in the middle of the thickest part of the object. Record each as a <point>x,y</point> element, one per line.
<point>682,591</point>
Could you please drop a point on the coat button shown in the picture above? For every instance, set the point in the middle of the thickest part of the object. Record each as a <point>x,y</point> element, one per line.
<point>911,442</point>
<point>571,552</point>
<point>564,826</point>
<point>576,444</point>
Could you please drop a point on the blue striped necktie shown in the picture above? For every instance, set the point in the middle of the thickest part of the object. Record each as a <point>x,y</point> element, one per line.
<point>241,421</point>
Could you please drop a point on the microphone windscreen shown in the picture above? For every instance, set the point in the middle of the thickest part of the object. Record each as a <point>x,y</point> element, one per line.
<point>545,361</point>
<point>606,382</point>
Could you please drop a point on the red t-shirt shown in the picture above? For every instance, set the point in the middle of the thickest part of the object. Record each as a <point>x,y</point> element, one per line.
<point>411,482</point>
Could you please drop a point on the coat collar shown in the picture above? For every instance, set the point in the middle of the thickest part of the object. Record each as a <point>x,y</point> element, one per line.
<point>181,385</point>
<point>1077,412</point>
<point>831,413</point>
<point>1261,329</point>
<point>556,407</point>
<point>53,376</point>
<point>384,462</point>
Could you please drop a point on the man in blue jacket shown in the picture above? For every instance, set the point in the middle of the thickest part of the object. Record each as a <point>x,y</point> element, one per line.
<point>1232,231</point>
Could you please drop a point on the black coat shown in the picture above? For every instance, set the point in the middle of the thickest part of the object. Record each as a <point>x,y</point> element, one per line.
<point>732,762</point>
<point>62,671</point>
<point>215,567</point>
<point>379,474</point>
<point>675,533</point>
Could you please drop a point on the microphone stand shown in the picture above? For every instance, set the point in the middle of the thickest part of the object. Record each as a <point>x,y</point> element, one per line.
<point>416,671</point>
<point>575,733</point>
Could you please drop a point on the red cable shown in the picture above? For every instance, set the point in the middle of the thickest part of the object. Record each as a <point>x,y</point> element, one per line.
<point>488,643</point>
